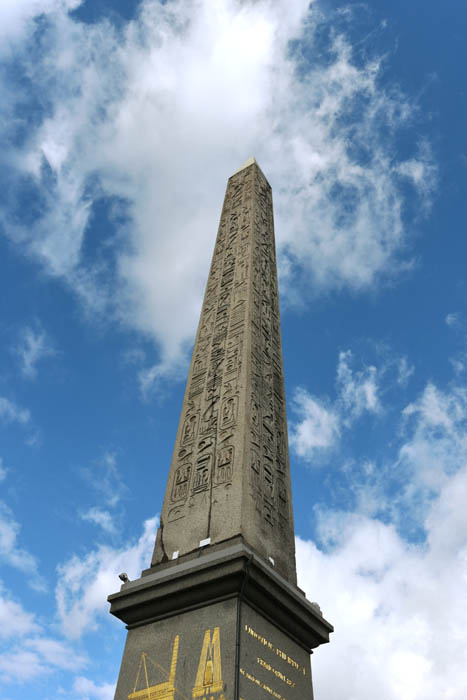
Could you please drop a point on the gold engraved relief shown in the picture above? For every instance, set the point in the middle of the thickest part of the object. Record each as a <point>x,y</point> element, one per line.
<point>209,676</point>
<point>162,691</point>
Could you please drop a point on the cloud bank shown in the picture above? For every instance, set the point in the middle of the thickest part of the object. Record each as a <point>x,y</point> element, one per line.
<point>127,136</point>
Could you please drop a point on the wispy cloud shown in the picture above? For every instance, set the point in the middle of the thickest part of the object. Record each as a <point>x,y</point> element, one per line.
<point>12,553</point>
<point>85,689</point>
<point>319,422</point>
<point>34,345</point>
<point>26,652</point>
<point>358,390</point>
<point>10,412</point>
<point>102,518</point>
<point>14,620</point>
<point>85,582</point>
<point>105,479</point>
<point>317,427</point>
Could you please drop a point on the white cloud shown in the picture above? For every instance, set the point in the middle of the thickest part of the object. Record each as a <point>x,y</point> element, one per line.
<point>38,657</point>
<point>319,423</point>
<point>358,391</point>
<point>14,620</point>
<point>436,442</point>
<point>104,477</point>
<point>25,651</point>
<point>12,413</point>
<point>14,555</point>
<point>34,345</point>
<point>100,517</point>
<point>160,114</point>
<point>405,371</point>
<point>317,428</point>
<point>57,654</point>
<point>3,471</point>
<point>16,16</point>
<point>399,609</point>
<point>395,592</point>
<point>86,689</point>
<point>84,583</point>
<point>454,320</point>
<point>22,665</point>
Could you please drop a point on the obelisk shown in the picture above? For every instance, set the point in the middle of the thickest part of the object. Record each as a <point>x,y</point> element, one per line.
<point>218,614</point>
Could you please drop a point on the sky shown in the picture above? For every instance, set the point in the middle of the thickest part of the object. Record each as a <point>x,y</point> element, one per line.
<point>120,123</point>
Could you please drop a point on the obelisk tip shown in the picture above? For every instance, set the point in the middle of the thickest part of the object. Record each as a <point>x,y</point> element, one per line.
<point>250,161</point>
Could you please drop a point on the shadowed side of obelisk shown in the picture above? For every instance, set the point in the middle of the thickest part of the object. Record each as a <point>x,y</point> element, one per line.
<point>229,475</point>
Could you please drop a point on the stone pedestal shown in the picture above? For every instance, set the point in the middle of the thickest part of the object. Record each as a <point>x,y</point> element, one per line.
<point>220,626</point>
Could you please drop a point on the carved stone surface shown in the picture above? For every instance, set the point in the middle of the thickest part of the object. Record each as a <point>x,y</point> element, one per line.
<point>218,616</point>
<point>230,469</point>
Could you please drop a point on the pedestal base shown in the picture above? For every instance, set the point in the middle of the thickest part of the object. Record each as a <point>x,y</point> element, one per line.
<point>224,626</point>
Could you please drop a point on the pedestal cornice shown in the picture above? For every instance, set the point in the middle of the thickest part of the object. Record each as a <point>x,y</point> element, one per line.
<point>231,572</point>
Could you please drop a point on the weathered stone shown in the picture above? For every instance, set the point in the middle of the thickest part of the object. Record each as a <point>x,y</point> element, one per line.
<point>230,468</point>
<point>218,615</point>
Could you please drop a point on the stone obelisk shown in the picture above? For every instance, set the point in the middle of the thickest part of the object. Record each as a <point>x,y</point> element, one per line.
<point>218,614</point>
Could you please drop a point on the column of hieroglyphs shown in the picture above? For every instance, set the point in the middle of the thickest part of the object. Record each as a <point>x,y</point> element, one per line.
<point>230,474</point>
<point>269,448</point>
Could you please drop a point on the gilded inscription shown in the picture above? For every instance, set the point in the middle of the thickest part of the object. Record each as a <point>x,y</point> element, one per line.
<point>162,691</point>
<point>272,647</point>
<point>209,675</point>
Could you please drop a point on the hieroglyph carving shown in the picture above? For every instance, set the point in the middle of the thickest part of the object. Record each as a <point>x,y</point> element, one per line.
<point>268,455</point>
<point>236,369</point>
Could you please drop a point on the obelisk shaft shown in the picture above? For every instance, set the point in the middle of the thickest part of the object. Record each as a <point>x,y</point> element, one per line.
<point>218,615</point>
<point>229,475</point>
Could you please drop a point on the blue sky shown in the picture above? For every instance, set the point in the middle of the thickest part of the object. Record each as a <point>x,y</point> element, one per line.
<point>120,123</point>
